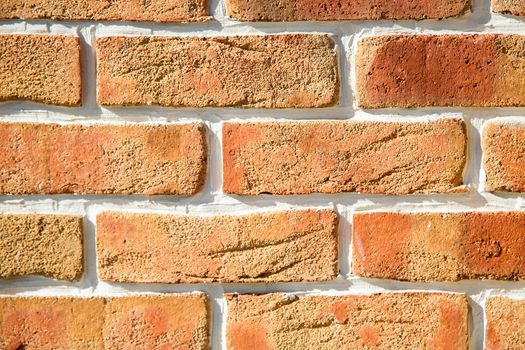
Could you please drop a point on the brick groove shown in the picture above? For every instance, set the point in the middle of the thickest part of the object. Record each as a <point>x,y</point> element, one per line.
<point>266,164</point>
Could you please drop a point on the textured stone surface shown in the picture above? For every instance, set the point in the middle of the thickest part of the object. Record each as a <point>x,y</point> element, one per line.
<point>157,322</point>
<point>104,158</point>
<point>40,68</point>
<point>513,7</point>
<point>387,321</point>
<point>505,319</point>
<point>267,247</point>
<point>33,323</point>
<point>439,246</point>
<point>340,156</point>
<point>48,245</point>
<point>127,10</point>
<point>485,70</point>
<point>138,322</point>
<point>271,71</point>
<point>323,10</point>
<point>504,157</point>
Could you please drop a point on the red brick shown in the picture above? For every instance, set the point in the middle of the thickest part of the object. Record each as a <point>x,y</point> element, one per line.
<point>103,158</point>
<point>381,321</point>
<point>505,319</point>
<point>40,68</point>
<point>326,10</point>
<point>513,7</point>
<point>439,246</point>
<point>271,71</point>
<point>125,10</point>
<point>504,156</point>
<point>343,156</point>
<point>138,322</point>
<point>268,247</point>
<point>485,70</point>
<point>48,245</point>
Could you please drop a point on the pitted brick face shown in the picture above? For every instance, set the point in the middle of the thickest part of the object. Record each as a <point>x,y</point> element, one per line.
<point>271,71</point>
<point>381,321</point>
<point>124,10</point>
<point>329,10</point>
<point>505,318</point>
<point>513,7</point>
<point>40,68</point>
<point>441,70</point>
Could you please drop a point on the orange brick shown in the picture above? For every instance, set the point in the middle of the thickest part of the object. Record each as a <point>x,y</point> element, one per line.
<point>381,321</point>
<point>48,245</point>
<point>513,7</point>
<point>271,71</point>
<point>342,156</point>
<point>40,68</point>
<point>485,70</point>
<point>125,10</point>
<point>439,246</point>
<point>268,247</point>
<point>505,318</point>
<point>104,158</point>
<point>504,157</point>
<point>329,10</point>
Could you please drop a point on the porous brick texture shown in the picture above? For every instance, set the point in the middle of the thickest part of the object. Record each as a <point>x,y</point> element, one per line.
<point>513,7</point>
<point>343,156</point>
<point>504,156</point>
<point>47,245</point>
<point>267,247</point>
<point>486,70</point>
<point>439,246</point>
<point>382,321</point>
<point>125,10</point>
<point>40,68</point>
<point>272,71</point>
<point>324,10</point>
<point>505,319</point>
<point>103,158</point>
<point>137,322</point>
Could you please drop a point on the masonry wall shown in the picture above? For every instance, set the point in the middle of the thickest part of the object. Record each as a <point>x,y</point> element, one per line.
<point>262,174</point>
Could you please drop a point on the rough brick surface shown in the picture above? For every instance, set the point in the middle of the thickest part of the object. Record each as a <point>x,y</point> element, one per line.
<point>51,323</point>
<point>116,159</point>
<point>338,156</point>
<point>323,10</point>
<point>157,322</point>
<point>134,10</point>
<point>441,70</point>
<point>268,247</point>
<point>513,7</point>
<point>142,322</point>
<point>505,319</point>
<point>40,68</point>
<point>48,245</point>
<point>504,157</point>
<point>388,321</point>
<point>272,71</point>
<point>439,246</point>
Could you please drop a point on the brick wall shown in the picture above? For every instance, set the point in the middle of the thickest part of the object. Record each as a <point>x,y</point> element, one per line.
<point>299,174</point>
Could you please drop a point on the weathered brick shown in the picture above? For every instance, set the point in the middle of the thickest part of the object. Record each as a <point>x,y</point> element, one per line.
<point>504,156</point>
<point>48,245</point>
<point>47,323</point>
<point>40,68</point>
<point>325,10</point>
<point>138,322</point>
<point>513,7</point>
<point>103,158</point>
<point>268,247</point>
<point>153,10</point>
<point>505,318</point>
<point>439,246</point>
<point>381,321</point>
<point>441,70</point>
<point>157,322</point>
<point>340,156</point>
<point>271,71</point>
